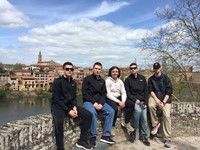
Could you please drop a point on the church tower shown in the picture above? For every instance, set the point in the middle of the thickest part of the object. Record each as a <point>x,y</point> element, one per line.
<point>39,57</point>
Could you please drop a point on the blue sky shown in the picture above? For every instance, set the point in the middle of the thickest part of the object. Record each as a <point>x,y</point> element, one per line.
<point>80,31</point>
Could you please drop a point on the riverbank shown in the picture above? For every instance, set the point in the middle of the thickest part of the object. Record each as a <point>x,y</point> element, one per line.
<point>26,94</point>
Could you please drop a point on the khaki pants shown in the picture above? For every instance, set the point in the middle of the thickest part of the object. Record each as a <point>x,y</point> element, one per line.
<point>165,124</point>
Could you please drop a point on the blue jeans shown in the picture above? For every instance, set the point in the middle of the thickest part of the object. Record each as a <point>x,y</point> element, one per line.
<point>107,111</point>
<point>140,119</point>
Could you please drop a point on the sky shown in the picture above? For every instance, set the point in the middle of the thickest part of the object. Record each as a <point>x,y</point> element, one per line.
<point>79,31</point>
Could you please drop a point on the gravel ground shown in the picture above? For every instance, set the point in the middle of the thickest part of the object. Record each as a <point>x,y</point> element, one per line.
<point>122,143</point>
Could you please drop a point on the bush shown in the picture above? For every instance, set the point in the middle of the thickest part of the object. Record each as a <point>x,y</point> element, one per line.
<point>2,93</point>
<point>42,92</point>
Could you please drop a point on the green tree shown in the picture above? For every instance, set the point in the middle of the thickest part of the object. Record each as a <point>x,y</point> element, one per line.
<point>17,66</point>
<point>2,93</point>
<point>1,68</point>
<point>7,86</point>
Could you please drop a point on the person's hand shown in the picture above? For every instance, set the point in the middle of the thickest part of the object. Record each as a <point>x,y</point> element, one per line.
<point>144,106</point>
<point>137,101</point>
<point>161,105</point>
<point>158,102</point>
<point>121,104</point>
<point>73,114</point>
<point>95,105</point>
<point>99,107</point>
<point>75,110</point>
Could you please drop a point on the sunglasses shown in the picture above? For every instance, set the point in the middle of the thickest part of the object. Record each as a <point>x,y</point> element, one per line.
<point>133,68</point>
<point>67,69</point>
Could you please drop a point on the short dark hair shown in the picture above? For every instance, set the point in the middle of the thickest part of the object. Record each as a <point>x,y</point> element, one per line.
<point>97,63</point>
<point>132,64</point>
<point>67,63</point>
<point>114,67</point>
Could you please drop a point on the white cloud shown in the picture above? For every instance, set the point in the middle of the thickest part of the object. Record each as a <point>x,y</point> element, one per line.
<point>103,9</point>
<point>85,41</point>
<point>12,17</point>
<point>84,32</point>
<point>106,8</point>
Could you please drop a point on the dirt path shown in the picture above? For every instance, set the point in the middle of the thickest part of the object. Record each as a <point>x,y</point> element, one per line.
<point>178,143</point>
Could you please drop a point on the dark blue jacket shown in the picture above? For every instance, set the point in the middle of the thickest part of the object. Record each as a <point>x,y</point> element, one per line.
<point>161,86</point>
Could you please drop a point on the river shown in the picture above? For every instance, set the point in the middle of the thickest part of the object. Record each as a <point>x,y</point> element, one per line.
<point>17,109</point>
<point>13,109</point>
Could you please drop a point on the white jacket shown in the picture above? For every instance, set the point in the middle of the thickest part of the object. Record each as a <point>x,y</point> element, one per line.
<point>115,88</point>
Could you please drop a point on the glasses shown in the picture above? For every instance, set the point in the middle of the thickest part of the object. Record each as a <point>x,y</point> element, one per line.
<point>133,68</point>
<point>67,69</point>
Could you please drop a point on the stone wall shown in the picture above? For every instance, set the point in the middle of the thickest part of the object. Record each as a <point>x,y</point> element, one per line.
<point>36,132</point>
<point>186,119</point>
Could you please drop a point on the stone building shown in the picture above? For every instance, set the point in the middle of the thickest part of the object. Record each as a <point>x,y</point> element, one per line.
<point>45,64</point>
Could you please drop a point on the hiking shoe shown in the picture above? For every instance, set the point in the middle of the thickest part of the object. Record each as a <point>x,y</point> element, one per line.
<point>112,133</point>
<point>83,145</point>
<point>93,141</point>
<point>132,136</point>
<point>167,143</point>
<point>145,141</point>
<point>107,139</point>
<point>127,126</point>
<point>155,129</point>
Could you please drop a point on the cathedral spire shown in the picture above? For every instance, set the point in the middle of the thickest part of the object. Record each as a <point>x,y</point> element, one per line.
<point>39,57</point>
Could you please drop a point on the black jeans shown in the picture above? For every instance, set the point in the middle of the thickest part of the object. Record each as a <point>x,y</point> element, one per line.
<point>58,117</point>
<point>129,108</point>
<point>114,105</point>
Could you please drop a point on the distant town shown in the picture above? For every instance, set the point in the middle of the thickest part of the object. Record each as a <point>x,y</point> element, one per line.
<point>42,74</point>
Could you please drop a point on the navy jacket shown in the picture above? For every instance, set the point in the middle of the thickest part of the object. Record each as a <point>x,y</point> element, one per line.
<point>161,86</point>
<point>64,93</point>
<point>94,89</point>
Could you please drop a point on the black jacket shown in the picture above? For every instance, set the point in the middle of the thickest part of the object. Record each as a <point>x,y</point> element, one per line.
<point>64,93</point>
<point>136,88</point>
<point>161,86</point>
<point>94,89</point>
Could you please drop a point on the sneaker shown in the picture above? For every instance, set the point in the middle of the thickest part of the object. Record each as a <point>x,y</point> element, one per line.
<point>167,143</point>
<point>127,126</point>
<point>145,141</point>
<point>151,137</point>
<point>132,136</point>
<point>107,139</point>
<point>93,141</point>
<point>112,133</point>
<point>155,129</point>
<point>83,145</point>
